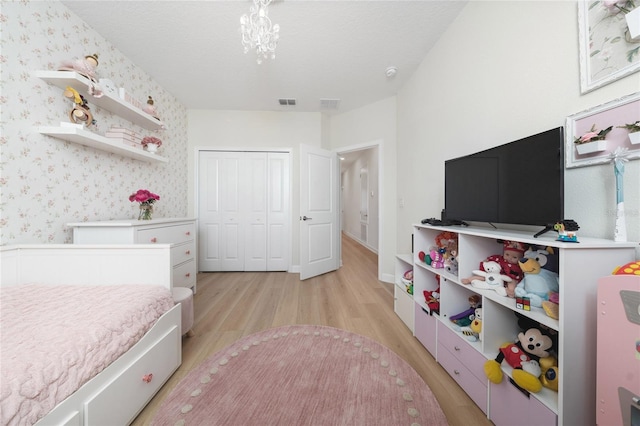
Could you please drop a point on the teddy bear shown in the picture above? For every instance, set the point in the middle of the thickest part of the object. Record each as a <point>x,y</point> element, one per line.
<point>538,282</point>
<point>493,278</point>
<point>531,350</point>
<point>512,251</point>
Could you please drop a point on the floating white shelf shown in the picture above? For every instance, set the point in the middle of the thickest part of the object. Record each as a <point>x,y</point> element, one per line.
<point>107,101</point>
<point>93,140</point>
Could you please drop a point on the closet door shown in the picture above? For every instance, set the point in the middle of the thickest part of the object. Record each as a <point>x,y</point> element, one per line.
<point>221,239</point>
<point>244,211</point>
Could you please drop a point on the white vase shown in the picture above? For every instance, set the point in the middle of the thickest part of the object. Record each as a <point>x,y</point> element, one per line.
<point>590,147</point>
<point>152,148</point>
<point>634,138</point>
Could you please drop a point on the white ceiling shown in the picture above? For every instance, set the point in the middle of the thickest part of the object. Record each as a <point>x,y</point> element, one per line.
<point>327,49</point>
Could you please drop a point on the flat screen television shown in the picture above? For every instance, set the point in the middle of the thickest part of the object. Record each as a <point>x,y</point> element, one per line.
<point>521,183</point>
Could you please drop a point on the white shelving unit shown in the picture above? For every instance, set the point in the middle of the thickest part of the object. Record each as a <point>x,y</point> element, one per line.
<point>93,140</point>
<point>403,304</point>
<point>580,266</point>
<point>112,103</point>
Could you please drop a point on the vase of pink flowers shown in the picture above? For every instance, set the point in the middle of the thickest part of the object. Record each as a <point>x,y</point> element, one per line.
<point>151,144</point>
<point>146,200</point>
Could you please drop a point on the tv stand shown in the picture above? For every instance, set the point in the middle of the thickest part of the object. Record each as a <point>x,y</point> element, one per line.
<point>547,228</point>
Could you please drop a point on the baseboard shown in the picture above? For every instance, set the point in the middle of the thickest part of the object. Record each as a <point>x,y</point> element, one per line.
<point>359,241</point>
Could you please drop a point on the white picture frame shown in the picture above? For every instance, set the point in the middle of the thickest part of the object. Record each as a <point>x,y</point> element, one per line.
<point>605,53</point>
<point>615,113</point>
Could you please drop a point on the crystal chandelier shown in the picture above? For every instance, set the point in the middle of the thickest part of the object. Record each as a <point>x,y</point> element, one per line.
<point>257,31</point>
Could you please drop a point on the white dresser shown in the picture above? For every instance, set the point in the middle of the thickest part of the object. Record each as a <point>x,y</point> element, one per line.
<point>179,232</point>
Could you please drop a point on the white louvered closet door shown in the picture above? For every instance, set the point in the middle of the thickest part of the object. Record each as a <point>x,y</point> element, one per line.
<point>244,211</point>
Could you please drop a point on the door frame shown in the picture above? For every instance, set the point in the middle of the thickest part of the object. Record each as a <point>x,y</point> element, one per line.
<point>196,186</point>
<point>379,143</point>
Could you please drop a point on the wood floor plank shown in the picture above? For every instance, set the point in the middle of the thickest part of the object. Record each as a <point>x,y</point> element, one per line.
<point>230,305</point>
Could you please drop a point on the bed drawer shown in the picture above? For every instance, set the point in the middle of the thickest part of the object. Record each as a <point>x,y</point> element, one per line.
<point>184,275</point>
<point>121,400</point>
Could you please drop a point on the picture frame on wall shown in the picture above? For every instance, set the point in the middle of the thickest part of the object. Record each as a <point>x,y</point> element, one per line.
<point>607,53</point>
<point>616,113</point>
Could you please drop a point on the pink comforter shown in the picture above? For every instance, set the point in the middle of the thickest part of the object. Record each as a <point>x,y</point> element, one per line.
<point>56,338</point>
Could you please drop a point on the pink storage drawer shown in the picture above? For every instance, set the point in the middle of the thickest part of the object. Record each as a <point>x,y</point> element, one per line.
<point>510,407</point>
<point>462,350</point>
<point>475,388</point>
<point>425,329</point>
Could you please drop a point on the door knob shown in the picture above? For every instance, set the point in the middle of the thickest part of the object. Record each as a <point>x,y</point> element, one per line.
<point>306,218</point>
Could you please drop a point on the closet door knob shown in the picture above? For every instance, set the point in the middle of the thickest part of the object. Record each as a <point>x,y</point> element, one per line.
<point>147,378</point>
<point>306,218</point>
<point>154,240</point>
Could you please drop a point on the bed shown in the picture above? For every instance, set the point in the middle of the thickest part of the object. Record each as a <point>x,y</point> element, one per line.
<point>134,368</point>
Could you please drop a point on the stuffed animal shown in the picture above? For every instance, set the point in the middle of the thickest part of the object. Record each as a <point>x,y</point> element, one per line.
<point>472,332</point>
<point>465,317</point>
<point>512,251</point>
<point>437,259</point>
<point>493,279</point>
<point>432,298</point>
<point>524,357</point>
<point>537,282</point>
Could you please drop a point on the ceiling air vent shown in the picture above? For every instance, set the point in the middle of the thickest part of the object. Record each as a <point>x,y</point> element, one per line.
<point>285,102</point>
<point>329,103</point>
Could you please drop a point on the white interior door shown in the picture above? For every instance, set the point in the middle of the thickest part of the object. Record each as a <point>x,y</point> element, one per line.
<point>253,201</point>
<point>278,211</point>
<point>319,212</point>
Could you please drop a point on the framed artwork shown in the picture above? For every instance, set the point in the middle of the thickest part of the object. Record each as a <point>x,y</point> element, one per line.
<point>622,111</point>
<point>606,50</point>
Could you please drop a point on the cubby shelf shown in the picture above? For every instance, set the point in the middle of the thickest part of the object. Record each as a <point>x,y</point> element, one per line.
<point>108,101</point>
<point>580,265</point>
<point>93,140</point>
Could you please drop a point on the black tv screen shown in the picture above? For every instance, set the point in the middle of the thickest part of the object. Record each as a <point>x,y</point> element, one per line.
<point>521,182</point>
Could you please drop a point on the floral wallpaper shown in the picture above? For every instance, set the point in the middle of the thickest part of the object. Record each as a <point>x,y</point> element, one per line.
<point>46,183</point>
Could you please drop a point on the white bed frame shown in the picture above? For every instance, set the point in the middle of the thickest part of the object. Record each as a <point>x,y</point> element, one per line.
<point>117,394</point>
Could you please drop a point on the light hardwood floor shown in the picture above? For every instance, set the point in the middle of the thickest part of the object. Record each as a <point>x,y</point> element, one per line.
<point>230,305</point>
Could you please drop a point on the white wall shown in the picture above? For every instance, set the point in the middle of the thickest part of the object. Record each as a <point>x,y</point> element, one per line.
<point>375,123</point>
<point>502,71</point>
<point>259,130</point>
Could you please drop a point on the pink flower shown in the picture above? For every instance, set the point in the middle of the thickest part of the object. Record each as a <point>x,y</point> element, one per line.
<point>144,196</point>
<point>588,136</point>
<point>151,139</point>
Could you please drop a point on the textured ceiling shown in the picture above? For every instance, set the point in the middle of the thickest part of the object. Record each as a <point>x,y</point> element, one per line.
<point>327,49</point>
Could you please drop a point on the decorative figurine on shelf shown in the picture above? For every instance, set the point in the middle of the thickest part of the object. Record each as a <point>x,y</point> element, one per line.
<point>150,109</point>
<point>80,113</point>
<point>567,231</point>
<point>151,144</point>
<point>85,66</point>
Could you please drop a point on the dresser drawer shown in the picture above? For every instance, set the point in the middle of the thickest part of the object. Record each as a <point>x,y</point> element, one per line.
<point>184,275</point>
<point>167,234</point>
<point>120,401</point>
<point>182,252</point>
<point>475,388</point>
<point>462,350</point>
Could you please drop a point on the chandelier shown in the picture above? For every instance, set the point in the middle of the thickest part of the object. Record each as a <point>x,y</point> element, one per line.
<point>257,31</point>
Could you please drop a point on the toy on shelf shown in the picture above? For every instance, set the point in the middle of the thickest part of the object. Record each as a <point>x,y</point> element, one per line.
<point>537,282</point>
<point>472,332</point>
<point>464,318</point>
<point>567,231</point>
<point>432,298</point>
<point>631,268</point>
<point>447,246</point>
<point>436,259</point>
<point>407,279</point>
<point>150,109</point>
<point>512,251</point>
<point>80,113</point>
<point>531,350</point>
<point>493,279</point>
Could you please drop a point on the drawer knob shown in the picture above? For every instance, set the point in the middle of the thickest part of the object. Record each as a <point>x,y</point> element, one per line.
<point>188,274</point>
<point>457,348</point>
<point>188,233</point>
<point>154,240</point>
<point>456,372</point>
<point>188,252</point>
<point>147,378</point>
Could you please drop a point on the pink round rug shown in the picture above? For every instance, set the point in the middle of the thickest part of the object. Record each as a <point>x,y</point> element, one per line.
<point>302,375</point>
